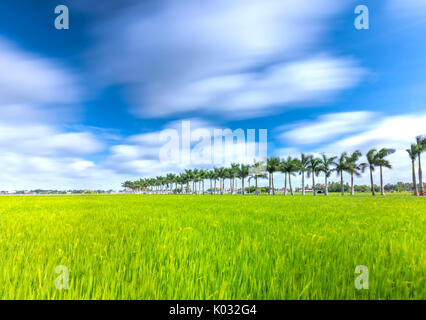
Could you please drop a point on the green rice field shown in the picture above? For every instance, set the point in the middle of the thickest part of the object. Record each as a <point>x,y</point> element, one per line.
<point>212,247</point>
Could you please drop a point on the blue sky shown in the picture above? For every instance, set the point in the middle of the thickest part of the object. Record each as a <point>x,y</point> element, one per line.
<point>82,108</point>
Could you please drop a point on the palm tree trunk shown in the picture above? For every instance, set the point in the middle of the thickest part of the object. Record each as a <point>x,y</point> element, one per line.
<point>289,182</point>
<point>303,183</point>
<point>313,184</point>
<point>326,186</point>
<point>352,184</point>
<point>232,187</point>
<point>257,192</point>
<point>269,181</point>
<point>382,190</point>
<point>273,187</point>
<point>341,183</point>
<point>285,183</point>
<point>421,189</point>
<point>221,186</point>
<point>414,178</point>
<point>373,192</point>
<point>242,184</point>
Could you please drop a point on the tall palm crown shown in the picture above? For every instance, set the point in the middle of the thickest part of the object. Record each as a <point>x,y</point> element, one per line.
<point>313,170</point>
<point>413,152</point>
<point>326,165</point>
<point>202,175</point>
<point>272,165</point>
<point>221,174</point>
<point>326,168</point>
<point>382,162</point>
<point>243,172</point>
<point>342,166</point>
<point>381,155</point>
<point>354,168</point>
<point>235,167</point>
<point>352,163</point>
<point>303,167</point>
<point>371,164</point>
<point>289,167</point>
<point>258,171</point>
<point>189,177</point>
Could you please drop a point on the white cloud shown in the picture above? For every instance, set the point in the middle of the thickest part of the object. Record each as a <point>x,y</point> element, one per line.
<point>391,132</point>
<point>27,172</point>
<point>327,127</point>
<point>252,94</point>
<point>28,79</point>
<point>43,156</point>
<point>36,152</point>
<point>232,58</point>
<point>141,153</point>
<point>42,139</point>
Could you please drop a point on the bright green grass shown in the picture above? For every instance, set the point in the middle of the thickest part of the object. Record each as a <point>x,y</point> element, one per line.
<point>212,247</point>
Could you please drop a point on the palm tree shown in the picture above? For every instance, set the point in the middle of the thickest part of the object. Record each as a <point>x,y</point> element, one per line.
<point>371,163</point>
<point>215,177</point>
<point>258,171</point>
<point>313,169</point>
<point>127,184</point>
<point>210,176</point>
<point>170,178</point>
<point>182,181</point>
<point>228,175</point>
<point>283,169</point>
<point>289,166</point>
<point>189,174</point>
<point>341,166</point>
<point>234,173</point>
<point>221,173</point>
<point>159,183</point>
<point>382,162</point>
<point>243,173</point>
<point>354,168</point>
<point>325,167</point>
<point>412,153</point>
<point>195,179</point>
<point>202,175</point>
<point>249,179</point>
<point>303,164</point>
<point>421,147</point>
<point>272,165</point>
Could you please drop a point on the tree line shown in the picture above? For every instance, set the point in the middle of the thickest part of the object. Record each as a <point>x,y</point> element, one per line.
<point>307,166</point>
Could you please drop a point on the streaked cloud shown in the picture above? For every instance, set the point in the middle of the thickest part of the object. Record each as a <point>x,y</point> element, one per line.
<point>241,58</point>
<point>29,79</point>
<point>327,127</point>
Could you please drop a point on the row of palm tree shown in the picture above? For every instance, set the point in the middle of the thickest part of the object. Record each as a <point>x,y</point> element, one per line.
<point>307,166</point>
